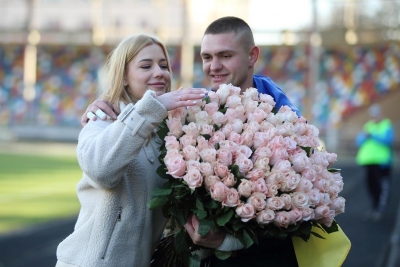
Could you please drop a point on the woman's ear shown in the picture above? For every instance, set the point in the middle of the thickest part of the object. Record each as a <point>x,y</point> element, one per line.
<point>254,52</point>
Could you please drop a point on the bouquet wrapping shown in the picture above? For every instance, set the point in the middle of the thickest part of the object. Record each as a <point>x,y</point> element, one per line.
<point>244,167</point>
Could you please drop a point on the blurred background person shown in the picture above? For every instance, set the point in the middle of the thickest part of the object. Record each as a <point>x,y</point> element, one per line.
<point>375,154</point>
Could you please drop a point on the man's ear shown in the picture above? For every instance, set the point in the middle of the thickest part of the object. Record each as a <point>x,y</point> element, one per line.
<point>254,52</point>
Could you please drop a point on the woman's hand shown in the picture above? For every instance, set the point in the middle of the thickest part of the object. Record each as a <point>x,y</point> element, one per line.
<point>211,240</point>
<point>181,97</point>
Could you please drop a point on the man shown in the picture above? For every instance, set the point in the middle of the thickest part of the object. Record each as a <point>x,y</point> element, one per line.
<point>229,55</point>
<point>375,154</point>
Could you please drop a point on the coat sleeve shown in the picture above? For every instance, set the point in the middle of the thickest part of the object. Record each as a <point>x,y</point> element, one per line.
<point>106,149</point>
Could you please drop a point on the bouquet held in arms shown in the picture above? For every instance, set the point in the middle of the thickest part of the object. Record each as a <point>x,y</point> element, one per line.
<point>243,167</point>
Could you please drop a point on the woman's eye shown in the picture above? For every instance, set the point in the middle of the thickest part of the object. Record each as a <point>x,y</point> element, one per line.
<point>145,67</point>
<point>164,66</point>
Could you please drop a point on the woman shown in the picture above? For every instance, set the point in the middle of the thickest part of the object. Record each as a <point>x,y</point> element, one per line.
<point>119,160</point>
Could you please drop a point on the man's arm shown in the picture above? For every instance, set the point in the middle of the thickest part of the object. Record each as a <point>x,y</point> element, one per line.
<point>99,108</point>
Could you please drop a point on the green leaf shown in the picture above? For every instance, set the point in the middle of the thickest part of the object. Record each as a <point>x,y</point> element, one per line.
<point>205,227</point>
<point>334,170</point>
<point>317,235</point>
<point>307,150</point>
<point>163,129</point>
<point>331,229</point>
<point>247,238</point>
<point>156,202</point>
<point>206,136</point>
<point>224,218</point>
<point>180,241</point>
<point>194,261</point>
<point>179,215</point>
<point>207,99</point>
<point>235,171</point>
<point>201,214</point>
<point>199,205</point>
<point>160,192</point>
<point>238,225</point>
<point>212,204</point>
<point>222,255</point>
<point>162,172</point>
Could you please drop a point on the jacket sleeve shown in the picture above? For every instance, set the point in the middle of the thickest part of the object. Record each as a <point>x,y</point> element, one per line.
<point>105,150</point>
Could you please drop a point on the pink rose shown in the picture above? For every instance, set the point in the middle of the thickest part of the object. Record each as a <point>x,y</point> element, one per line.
<point>229,180</point>
<point>257,199</point>
<point>221,170</point>
<point>295,215</point>
<point>208,155</point>
<point>309,174</point>
<point>232,198</point>
<point>265,216</point>
<point>244,164</point>
<point>275,203</point>
<point>304,185</point>
<point>338,205</point>
<point>244,150</point>
<point>272,190</point>
<point>187,140</point>
<point>176,166</point>
<point>227,129</point>
<point>234,137</point>
<point>282,219</point>
<point>210,181</point>
<point>213,97</point>
<point>246,138</point>
<point>191,129</point>
<point>267,99</point>
<point>314,196</point>
<point>202,143</point>
<point>192,164</point>
<point>250,106</point>
<point>255,174</point>
<point>260,139</point>
<point>291,180</point>
<point>206,129</point>
<point>251,94</point>
<point>245,212</point>
<point>177,113</point>
<point>245,187</point>
<point>260,153</point>
<point>237,126</point>
<point>206,169</point>
<point>287,200</point>
<point>321,212</point>
<point>223,92</point>
<point>217,137</point>
<point>300,200</point>
<point>171,142</point>
<point>321,184</point>
<point>211,108</point>
<point>300,162</point>
<point>278,153</point>
<point>218,191</point>
<point>219,118</point>
<point>262,164</point>
<point>283,166</point>
<point>266,107</point>
<point>233,101</point>
<point>251,126</point>
<point>201,117</point>
<point>308,214</point>
<point>257,115</point>
<point>328,220</point>
<point>193,178</point>
<point>192,112</point>
<point>224,156</point>
<point>190,153</point>
<point>175,127</point>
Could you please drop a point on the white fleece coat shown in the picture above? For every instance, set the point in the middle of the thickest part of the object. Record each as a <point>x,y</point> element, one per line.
<point>117,160</point>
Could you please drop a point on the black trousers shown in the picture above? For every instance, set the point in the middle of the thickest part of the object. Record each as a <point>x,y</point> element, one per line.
<point>377,177</point>
<point>269,252</point>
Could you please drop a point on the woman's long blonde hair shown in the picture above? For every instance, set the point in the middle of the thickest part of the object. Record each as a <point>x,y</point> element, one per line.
<point>112,75</point>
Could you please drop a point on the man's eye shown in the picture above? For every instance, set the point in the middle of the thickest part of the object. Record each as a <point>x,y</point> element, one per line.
<point>226,56</point>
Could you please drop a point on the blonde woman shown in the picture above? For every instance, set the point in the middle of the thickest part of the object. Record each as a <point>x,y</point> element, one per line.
<point>119,160</point>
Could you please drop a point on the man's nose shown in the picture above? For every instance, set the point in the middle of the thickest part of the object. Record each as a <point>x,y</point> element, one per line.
<point>215,64</point>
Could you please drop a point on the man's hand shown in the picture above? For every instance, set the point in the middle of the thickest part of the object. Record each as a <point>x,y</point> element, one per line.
<point>99,108</point>
<point>211,240</point>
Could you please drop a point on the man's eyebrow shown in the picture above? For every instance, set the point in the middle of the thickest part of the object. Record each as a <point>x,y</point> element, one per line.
<point>219,52</point>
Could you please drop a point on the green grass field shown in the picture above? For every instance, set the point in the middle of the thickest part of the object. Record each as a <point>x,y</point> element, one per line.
<point>35,189</point>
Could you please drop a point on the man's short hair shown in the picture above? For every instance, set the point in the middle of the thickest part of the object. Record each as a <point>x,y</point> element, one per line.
<point>231,24</point>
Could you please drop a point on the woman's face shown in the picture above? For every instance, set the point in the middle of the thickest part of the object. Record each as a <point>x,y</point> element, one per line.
<point>148,70</point>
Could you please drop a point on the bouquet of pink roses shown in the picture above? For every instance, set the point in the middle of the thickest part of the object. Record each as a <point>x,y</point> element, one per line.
<point>246,168</point>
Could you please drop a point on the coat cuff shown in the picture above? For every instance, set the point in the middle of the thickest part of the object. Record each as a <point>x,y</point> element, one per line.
<point>143,117</point>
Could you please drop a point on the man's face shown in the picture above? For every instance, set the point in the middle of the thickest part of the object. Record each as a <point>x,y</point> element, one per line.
<point>225,60</point>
